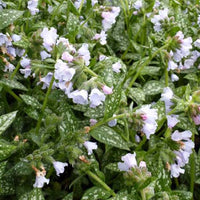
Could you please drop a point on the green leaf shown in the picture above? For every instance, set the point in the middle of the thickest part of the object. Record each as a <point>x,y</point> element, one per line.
<point>95,112</point>
<point>183,195</point>
<point>31,101</point>
<point>124,195</point>
<point>68,197</point>
<point>95,193</point>
<point>13,84</point>
<point>6,120</point>
<point>32,112</point>
<point>6,149</point>
<point>150,71</point>
<point>192,77</point>
<point>153,87</point>
<point>35,194</point>
<point>112,102</point>
<point>7,17</point>
<point>23,43</point>
<point>108,136</point>
<point>113,167</point>
<point>137,95</point>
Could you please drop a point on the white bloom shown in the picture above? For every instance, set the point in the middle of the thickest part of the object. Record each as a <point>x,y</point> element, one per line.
<point>142,164</point>
<point>9,67</point>
<point>79,97</point>
<point>90,146</point>
<point>177,136</point>
<point>197,43</point>
<point>129,162</point>
<point>67,57</point>
<point>149,117</point>
<point>63,72</point>
<point>32,6</point>
<point>50,9</point>
<point>59,167</point>
<point>102,57</point>
<point>49,37</point>
<point>172,120</point>
<point>46,80</point>
<point>138,4</point>
<point>84,53</point>
<point>174,78</point>
<point>102,36</point>
<point>116,67</point>
<point>109,18</point>
<point>16,37</point>
<point>196,119</point>
<point>11,51</point>
<point>167,96</point>
<point>96,98</point>
<point>113,122</point>
<point>26,72</point>
<point>4,40</point>
<point>44,55</point>
<point>176,170</point>
<point>25,62</point>
<point>172,65</point>
<point>40,180</point>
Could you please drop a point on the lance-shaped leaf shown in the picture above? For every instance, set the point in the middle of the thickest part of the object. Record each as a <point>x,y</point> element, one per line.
<point>13,84</point>
<point>108,136</point>
<point>95,193</point>
<point>153,87</point>
<point>6,149</point>
<point>35,194</point>
<point>7,17</point>
<point>31,101</point>
<point>6,120</point>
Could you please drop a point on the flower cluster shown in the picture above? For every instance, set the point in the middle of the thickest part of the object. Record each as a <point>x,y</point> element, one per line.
<point>183,154</point>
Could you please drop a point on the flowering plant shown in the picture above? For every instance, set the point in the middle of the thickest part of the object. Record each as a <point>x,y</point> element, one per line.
<point>99,99</point>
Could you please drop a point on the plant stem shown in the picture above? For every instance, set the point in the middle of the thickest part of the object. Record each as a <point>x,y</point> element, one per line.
<point>13,94</point>
<point>15,71</point>
<point>81,6</point>
<point>166,76</point>
<point>143,195</point>
<point>44,105</point>
<point>89,71</point>
<point>107,120</point>
<point>144,139</point>
<point>102,183</point>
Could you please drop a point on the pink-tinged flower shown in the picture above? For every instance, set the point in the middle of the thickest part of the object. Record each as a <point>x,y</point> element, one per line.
<point>96,98</point>
<point>32,6</point>
<point>116,67</point>
<point>49,37</point>
<point>196,119</point>
<point>90,146</point>
<point>142,164</point>
<point>109,18</point>
<point>176,170</point>
<point>107,90</point>
<point>44,55</point>
<point>79,97</point>
<point>172,120</point>
<point>102,36</point>
<point>149,117</point>
<point>67,57</point>
<point>129,162</point>
<point>40,180</point>
<point>59,167</point>
<point>93,122</point>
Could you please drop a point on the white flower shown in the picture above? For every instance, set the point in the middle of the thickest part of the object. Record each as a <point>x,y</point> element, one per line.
<point>177,136</point>
<point>196,119</point>
<point>63,72</point>
<point>59,167</point>
<point>176,170</point>
<point>16,37</point>
<point>90,146</point>
<point>113,122</point>
<point>129,162</point>
<point>96,98</point>
<point>4,40</point>
<point>172,120</point>
<point>102,36</point>
<point>11,51</point>
<point>172,65</point>
<point>67,57</point>
<point>142,164</point>
<point>84,53</point>
<point>197,43</point>
<point>26,72</point>
<point>138,4</point>
<point>167,96</point>
<point>102,57</point>
<point>109,18</point>
<point>46,80</point>
<point>32,6</point>
<point>25,62</point>
<point>116,67</point>
<point>49,37</point>
<point>40,180</point>
<point>9,67</point>
<point>149,117</point>
<point>44,55</point>
<point>174,78</point>
<point>79,97</point>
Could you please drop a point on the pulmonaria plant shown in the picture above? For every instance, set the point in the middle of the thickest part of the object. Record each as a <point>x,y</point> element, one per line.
<point>89,83</point>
